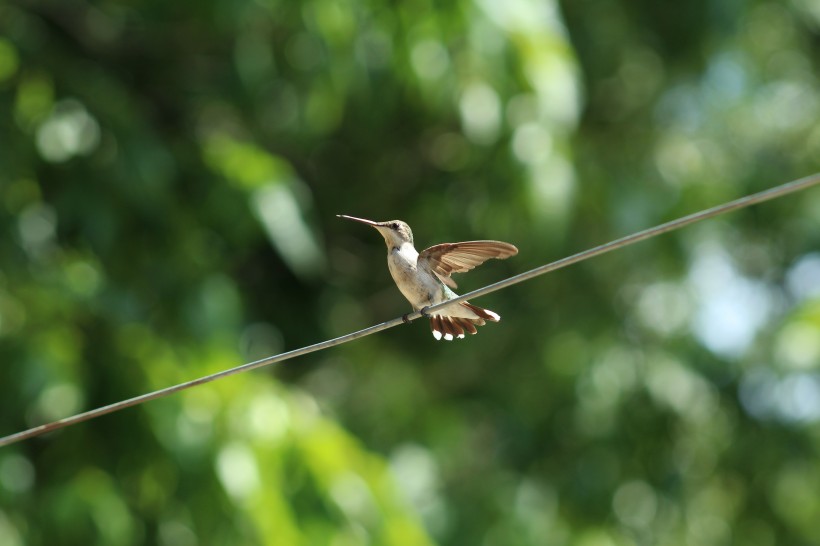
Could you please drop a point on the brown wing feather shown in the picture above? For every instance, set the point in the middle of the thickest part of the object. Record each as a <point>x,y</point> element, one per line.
<point>448,258</point>
<point>447,280</point>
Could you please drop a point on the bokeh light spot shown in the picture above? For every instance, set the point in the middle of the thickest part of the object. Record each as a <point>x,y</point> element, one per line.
<point>480,113</point>
<point>237,470</point>
<point>430,59</point>
<point>635,504</point>
<point>9,60</point>
<point>16,473</point>
<point>803,278</point>
<point>69,131</point>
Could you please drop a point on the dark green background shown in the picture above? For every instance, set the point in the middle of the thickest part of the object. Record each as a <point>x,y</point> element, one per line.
<point>170,172</point>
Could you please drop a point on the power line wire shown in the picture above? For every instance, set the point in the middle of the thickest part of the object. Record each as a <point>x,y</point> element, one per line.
<point>766,195</point>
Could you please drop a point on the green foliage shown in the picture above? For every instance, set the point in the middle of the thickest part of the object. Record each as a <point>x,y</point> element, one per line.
<point>169,179</point>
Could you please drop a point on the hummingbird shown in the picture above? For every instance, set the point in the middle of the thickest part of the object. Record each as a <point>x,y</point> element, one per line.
<point>424,277</point>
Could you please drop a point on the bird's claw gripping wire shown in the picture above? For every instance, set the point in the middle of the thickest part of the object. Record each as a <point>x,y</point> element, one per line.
<point>423,312</point>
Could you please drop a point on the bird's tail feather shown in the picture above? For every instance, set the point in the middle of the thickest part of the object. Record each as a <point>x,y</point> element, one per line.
<point>486,314</point>
<point>449,328</point>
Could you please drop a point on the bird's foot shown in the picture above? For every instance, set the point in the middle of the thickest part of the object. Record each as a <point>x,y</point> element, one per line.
<point>423,312</point>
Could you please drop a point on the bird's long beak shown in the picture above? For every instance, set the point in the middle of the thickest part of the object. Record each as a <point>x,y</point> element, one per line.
<point>362,220</point>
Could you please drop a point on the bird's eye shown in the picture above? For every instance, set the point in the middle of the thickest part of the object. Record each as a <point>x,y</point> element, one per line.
<point>394,225</point>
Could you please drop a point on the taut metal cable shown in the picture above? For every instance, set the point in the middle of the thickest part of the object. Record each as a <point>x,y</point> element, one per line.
<point>766,195</point>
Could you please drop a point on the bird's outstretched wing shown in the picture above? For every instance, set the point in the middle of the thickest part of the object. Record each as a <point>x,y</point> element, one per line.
<point>448,258</point>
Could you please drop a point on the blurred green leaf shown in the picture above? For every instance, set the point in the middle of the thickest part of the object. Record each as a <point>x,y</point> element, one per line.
<point>169,179</point>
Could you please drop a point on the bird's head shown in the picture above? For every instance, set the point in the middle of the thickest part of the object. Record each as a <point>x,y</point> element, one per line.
<point>395,232</point>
